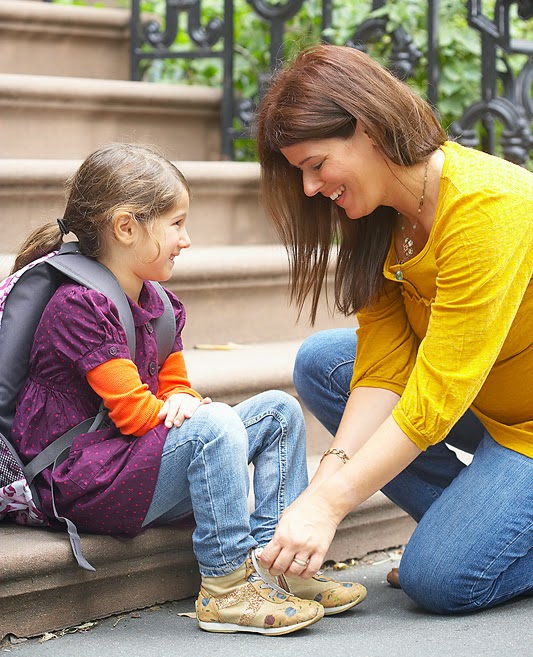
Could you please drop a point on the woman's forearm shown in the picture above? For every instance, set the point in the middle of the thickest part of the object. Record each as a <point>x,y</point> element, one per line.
<point>366,410</point>
<point>383,456</point>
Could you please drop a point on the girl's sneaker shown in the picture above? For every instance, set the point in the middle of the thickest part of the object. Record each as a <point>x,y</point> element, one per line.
<point>334,596</point>
<point>244,602</point>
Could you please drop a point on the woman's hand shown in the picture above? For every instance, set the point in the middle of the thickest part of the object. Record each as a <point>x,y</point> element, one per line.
<point>302,537</point>
<point>179,407</point>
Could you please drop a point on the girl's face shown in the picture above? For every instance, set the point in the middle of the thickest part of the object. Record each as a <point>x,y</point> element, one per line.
<point>157,248</point>
<point>351,172</point>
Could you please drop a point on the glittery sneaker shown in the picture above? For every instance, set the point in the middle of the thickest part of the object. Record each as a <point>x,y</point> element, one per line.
<point>244,602</point>
<point>334,596</point>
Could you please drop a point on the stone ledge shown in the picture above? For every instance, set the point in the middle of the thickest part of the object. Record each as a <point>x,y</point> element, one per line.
<point>224,209</point>
<point>64,117</point>
<point>29,14</point>
<point>42,588</point>
<point>136,97</point>
<point>42,38</point>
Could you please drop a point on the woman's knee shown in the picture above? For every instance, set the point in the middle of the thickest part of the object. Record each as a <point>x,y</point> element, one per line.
<point>308,362</point>
<point>319,354</point>
<point>438,582</point>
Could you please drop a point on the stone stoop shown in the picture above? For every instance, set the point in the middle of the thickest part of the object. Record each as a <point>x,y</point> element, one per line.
<point>224,207</point>
<point>45,39</point>
<point>65,117</point>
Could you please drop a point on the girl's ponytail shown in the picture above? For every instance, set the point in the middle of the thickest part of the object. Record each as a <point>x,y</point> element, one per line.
<point>41,241</point>
<point>115,178</point>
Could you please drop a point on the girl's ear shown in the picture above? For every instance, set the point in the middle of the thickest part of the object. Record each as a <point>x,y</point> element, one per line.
<point>124,227</point>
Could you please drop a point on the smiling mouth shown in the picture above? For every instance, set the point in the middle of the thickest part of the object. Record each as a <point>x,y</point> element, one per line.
<point>337,193</point>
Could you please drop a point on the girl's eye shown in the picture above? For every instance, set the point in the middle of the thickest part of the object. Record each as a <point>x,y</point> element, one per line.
<point>318,166</point>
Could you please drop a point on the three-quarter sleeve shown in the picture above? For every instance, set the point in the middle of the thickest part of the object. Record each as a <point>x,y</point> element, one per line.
<point>386,343</point>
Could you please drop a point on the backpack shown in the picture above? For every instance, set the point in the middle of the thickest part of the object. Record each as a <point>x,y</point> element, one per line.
<point>23,298</point>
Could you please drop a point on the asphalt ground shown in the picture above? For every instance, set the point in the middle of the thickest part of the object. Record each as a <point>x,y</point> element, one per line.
<point>386,624</point>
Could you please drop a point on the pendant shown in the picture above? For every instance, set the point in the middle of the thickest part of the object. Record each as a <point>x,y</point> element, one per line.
<point>399,275</point>
<point>408,247</point>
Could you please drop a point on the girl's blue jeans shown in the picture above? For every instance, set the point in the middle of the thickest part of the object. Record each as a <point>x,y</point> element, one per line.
<point>473,546</point>
<point>204,469</point>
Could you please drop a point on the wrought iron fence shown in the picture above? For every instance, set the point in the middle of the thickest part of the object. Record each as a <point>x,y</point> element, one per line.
<point>501,119</point>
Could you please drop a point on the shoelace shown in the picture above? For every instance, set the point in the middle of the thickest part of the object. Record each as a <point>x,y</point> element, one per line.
<point>268,580</point>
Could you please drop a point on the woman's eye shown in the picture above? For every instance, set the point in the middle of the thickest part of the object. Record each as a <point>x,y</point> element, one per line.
<point>318,166</point>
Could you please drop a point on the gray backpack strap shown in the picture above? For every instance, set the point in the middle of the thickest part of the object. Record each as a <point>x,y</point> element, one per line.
<point>89,272</point>
<point>165,326</point>
<point>49,454</point>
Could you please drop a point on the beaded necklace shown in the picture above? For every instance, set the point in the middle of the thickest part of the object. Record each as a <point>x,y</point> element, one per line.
<point>408,243</point>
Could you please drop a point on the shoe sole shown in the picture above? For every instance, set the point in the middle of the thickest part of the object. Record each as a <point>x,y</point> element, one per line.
<point>230,628</point>
<point>338,610</point>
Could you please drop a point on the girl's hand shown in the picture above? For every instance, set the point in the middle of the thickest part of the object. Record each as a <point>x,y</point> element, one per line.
<point>304,532</point>
<point>179,407</point>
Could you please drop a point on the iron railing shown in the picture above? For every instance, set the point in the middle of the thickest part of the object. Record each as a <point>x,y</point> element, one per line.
<point>501,120</point>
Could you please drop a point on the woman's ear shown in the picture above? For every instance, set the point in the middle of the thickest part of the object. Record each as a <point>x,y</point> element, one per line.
<point>124,227</point>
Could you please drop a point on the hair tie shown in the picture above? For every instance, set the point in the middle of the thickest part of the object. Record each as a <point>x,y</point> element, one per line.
<point>64,230</point>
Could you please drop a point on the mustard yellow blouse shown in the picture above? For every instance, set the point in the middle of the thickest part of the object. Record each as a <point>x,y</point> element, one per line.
<point>457,331</point>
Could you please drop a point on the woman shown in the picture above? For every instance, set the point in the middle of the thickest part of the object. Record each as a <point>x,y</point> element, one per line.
<point>435,256</point>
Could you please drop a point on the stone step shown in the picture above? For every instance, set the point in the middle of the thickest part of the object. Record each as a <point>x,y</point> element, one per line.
<point>224,205</point>
<point>49,39</point>
<point>47,116</point>
<point>243,291</point>
<point>237,294</point>
<point>42,589</point>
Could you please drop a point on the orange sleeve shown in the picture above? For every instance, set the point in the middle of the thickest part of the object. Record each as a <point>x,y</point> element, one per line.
<point>131,405</point>
<point>173,378</point>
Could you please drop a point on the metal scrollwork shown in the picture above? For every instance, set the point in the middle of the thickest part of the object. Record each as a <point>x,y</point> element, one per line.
<point>276,11</point>
<point>204,37</point>
<point>506,93</point>
<point>404,55</point>
<point>514,109</point>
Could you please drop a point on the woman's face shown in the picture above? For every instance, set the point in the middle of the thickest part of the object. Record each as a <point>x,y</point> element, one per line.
<point>351,172</point>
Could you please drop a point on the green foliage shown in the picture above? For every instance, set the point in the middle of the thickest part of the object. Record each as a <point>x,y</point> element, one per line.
<point>459,47</point>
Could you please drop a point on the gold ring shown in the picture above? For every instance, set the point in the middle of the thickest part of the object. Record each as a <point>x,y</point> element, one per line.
<point>300,562</point>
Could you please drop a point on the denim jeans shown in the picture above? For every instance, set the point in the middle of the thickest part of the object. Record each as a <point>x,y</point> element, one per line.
<point>204,469</point>
<point>473,546</point>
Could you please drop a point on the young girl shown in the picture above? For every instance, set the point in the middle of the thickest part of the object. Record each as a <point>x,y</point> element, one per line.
<point>168,450</point>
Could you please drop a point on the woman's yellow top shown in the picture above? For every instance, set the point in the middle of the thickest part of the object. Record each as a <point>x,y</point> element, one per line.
<point>457,331</point>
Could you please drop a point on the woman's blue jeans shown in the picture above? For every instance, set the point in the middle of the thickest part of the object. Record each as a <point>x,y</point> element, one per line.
<point>473,546</point>
<point>204,469</point>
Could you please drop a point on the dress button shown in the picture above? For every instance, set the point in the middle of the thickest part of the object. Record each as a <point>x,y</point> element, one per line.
<point>149,327</point>
<point>152,367</point>
<point>113,351</point>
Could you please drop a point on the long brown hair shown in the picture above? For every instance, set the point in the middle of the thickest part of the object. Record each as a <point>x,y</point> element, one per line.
<point>322,95</point>
<point>115,178</point>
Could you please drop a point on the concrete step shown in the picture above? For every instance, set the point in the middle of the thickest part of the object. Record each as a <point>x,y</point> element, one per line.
<point>243,290</point>
<point>224,204</point>
<point>49,39</point>
<point>42,589</point>
<point>237,294</point>
<point>65,117</point>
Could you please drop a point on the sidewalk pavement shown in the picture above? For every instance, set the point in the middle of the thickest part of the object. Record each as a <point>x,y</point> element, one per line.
<point>386,624</point>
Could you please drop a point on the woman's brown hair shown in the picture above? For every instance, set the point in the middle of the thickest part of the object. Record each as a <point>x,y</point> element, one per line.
<point>115,178</point>
<point>322,95</point>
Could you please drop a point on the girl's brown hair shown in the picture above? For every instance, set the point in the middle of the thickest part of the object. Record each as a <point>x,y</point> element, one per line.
<point>322,95</point>
<point>115,178</point>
